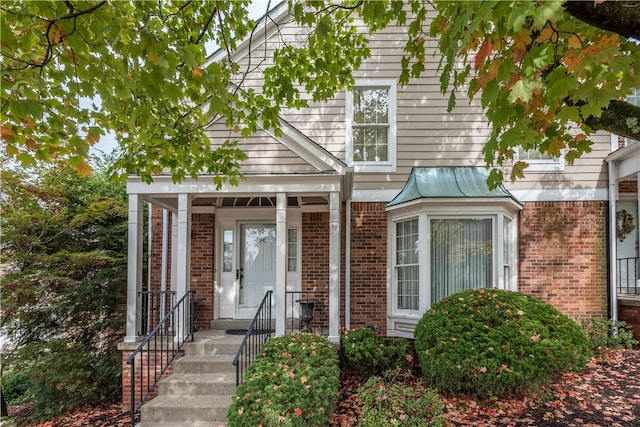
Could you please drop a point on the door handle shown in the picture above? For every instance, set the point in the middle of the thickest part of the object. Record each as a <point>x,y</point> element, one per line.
<point>239,273</point>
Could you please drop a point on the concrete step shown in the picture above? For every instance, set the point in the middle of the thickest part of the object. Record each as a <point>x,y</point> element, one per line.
<point>203,364</point>
<point>211,346</point>
<point>186,410</point>
<point>223,383</point>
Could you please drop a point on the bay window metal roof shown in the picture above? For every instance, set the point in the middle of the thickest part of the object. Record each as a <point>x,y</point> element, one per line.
<point>448,182</point>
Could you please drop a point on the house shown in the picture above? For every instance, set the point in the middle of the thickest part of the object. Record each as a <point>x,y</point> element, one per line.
<point>375,204</point>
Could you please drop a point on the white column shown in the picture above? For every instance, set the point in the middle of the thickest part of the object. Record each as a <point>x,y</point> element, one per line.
<point>334,267</point>
<point>134,266</point>
<point>613,255</point>
<point>281,262</point>
<point>174,251</point>
<point>165,263</point>
<point>183,258</point>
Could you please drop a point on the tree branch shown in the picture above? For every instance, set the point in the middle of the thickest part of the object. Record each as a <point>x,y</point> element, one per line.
<point>614,120</point>
<point>621,17</point>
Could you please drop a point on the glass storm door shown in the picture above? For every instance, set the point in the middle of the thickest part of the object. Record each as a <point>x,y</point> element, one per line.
<point>256,273</point>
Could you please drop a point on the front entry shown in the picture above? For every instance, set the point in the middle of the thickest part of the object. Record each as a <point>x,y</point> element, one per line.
<point>256,269</point>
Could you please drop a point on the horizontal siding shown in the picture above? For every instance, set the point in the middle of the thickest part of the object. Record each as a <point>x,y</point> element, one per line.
<point>427,135</point>
<point>265,154</point>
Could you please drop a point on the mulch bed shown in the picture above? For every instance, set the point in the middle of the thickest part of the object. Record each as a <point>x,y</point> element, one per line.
<point>605,394</point>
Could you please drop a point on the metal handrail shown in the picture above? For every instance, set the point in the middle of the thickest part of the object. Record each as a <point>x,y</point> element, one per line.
<point>258,333</point>
<point>628,275</point>
<point>163,343</point>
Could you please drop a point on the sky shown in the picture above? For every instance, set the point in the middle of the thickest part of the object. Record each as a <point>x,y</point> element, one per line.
<point>107,143</point>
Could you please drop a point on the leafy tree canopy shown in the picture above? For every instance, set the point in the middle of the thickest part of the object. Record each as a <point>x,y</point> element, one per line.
<point>547,74</point>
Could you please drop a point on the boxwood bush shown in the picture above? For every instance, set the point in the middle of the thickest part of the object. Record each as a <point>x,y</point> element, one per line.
<point>366,351</point>
<point>294,382</point>
<point>487,342</point>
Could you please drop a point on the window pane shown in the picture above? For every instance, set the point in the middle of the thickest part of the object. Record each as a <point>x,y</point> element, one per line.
<point>371,106</point>
<point>461,256</point>
<point>406,265</point>
<point>370,144</point>
<point>227,250</point>
<point>292,249</point>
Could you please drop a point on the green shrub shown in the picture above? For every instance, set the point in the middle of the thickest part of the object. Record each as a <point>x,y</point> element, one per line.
<point>390,401</point>
<point>363,349</point>
<point>15,386</point>
<point>606,333</point>
<point>294,382</point>
<point>488,343</point>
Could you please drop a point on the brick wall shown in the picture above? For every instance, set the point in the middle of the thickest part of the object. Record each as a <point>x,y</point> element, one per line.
<point>202,267</point>
<point>369,265</point>
<point>142,376</point>
<point>629,312</point>
<point>628,187</point>
<point>563,255</point>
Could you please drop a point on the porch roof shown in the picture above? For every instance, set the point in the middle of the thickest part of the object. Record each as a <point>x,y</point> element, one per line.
<point>448,182</point>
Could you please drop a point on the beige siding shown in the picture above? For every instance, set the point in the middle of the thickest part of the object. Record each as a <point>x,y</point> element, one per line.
<point>265,154</point>
<point>427,135</point>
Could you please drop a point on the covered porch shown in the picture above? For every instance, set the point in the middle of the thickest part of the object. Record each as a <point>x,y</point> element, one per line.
<point>231,244</point>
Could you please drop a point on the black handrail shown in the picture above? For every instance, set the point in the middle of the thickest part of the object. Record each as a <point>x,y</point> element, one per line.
<point>258,333</point>
<point>161,340</point>
<point>154,306</point>
<point>628,275</point>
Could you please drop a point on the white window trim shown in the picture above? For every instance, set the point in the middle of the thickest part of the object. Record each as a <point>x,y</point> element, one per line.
<point>543,165</point>
<point>399,321</point>
<point>390,164</point>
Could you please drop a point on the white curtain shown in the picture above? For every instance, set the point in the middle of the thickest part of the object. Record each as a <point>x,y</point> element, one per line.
<point>461,256</point>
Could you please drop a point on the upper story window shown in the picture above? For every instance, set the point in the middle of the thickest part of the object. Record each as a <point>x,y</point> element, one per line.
<point>371,126</point>
<point>540,161</point>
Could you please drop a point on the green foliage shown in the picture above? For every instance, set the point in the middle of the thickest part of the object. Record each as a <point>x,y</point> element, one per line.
<point>488,343</point>
<point>293,383</point>
<point>73,71</point>
<point>390,401</point>
<point>363,349</point>
<point>606,333</point>
<point>64,240</point>
<point>15,386</point>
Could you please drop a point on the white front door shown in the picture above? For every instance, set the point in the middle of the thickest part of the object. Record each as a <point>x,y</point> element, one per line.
<point>256,273</point>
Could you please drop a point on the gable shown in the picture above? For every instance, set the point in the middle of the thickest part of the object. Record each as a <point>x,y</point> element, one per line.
<point>290,152</point>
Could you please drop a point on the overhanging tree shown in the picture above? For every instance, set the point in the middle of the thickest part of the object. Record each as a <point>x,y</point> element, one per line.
<point>547,73</point>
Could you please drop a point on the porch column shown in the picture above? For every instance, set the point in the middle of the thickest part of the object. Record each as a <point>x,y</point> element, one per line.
<point>281,264</point>
<point>174,252</point>
<point>334,267</point>
<point>613,200</point>
<point>183,257</point>
<point>134,266</point>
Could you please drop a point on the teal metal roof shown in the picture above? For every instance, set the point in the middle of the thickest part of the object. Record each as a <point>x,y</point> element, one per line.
<point>448,182</point>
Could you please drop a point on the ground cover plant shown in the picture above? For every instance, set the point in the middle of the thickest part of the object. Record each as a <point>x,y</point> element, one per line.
<point>395,399</point>
<point>294,382</point>
<point>489,342</point>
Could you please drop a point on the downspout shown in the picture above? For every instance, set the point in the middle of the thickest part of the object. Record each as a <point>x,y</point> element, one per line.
<point>613,195</point>
<point>348,183</point>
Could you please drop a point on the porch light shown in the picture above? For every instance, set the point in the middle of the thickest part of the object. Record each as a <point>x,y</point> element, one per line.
<point>306,311</point>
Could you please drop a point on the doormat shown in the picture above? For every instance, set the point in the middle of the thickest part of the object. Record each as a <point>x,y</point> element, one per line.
<point>244,331</point>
